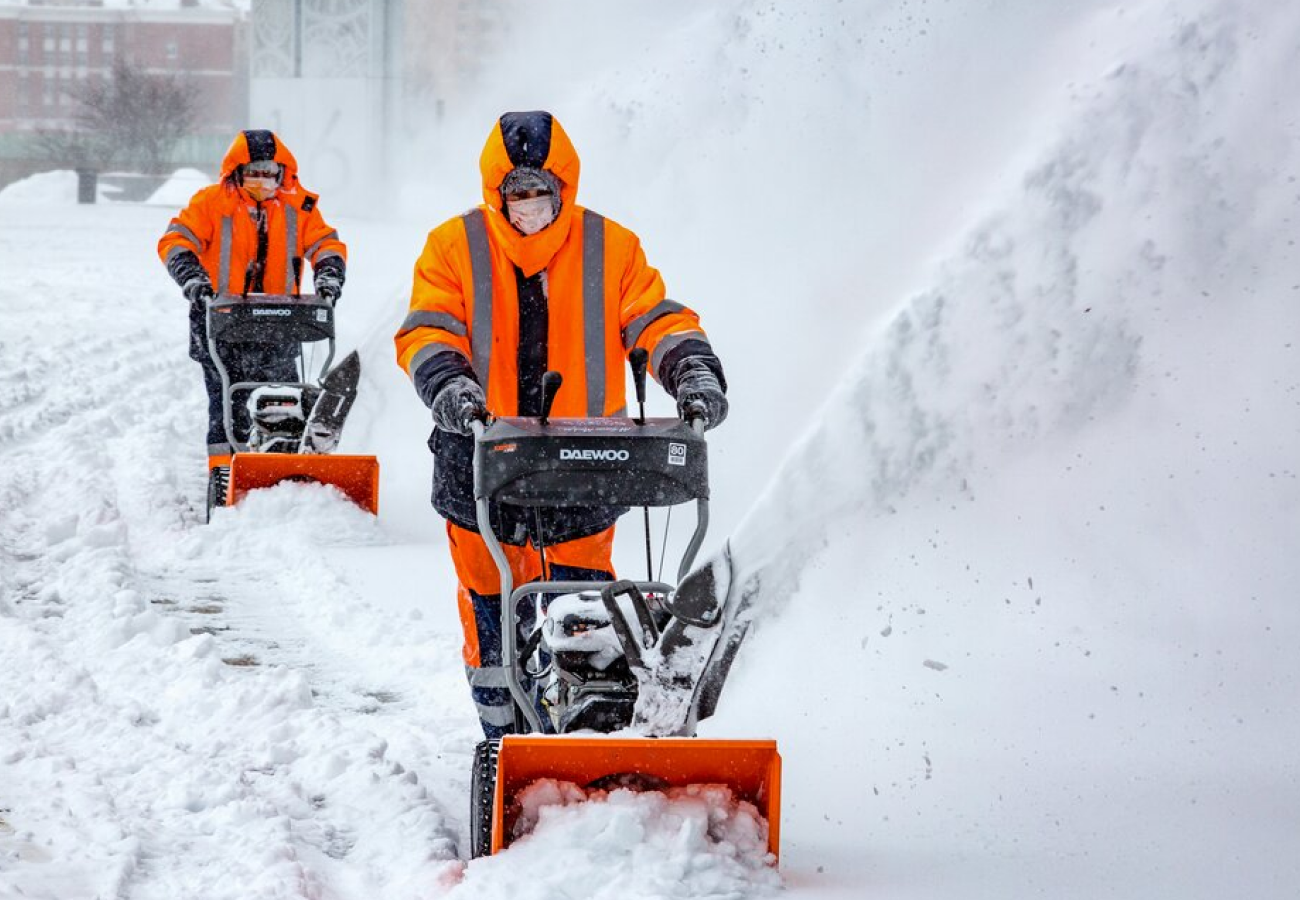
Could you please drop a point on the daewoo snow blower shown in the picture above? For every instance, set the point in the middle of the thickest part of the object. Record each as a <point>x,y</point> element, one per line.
<point>292,425</point>
<point>609,686</point>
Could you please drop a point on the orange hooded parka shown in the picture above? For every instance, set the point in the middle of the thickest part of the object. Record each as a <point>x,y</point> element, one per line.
<point>219,226</point>
<point>602,298</point>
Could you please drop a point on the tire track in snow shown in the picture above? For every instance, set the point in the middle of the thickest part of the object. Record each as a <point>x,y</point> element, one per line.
<point>110,536</point>
<point>180,775</point>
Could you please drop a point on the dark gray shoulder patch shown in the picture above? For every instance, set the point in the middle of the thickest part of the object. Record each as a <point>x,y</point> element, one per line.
<point>309,203</point>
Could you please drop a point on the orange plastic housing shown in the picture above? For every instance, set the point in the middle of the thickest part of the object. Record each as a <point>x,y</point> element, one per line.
<point>752,769</point>
<point>355,476</point>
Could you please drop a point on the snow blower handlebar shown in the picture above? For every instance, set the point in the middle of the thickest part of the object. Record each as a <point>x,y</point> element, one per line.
<point>277,319</point>
<point>697,413</point>
<point>608,461</point>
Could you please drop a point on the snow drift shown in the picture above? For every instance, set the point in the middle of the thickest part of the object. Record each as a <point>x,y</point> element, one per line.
<point>1051,516</point>
<point>1116,286</point>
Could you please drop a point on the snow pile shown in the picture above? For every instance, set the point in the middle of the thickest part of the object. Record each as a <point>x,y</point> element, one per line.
<point>58,188</point>
<point>179,187</point>
<point>696,841</point>
<point>319,514</point>
<point>1149,242</point>
<point>1042,538</point>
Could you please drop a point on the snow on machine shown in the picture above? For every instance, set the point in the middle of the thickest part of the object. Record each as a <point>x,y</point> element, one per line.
<point>609,686</point>
<point>293,426</point>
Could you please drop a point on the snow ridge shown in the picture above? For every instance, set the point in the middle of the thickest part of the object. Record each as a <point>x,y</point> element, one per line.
<point>1057,309</point>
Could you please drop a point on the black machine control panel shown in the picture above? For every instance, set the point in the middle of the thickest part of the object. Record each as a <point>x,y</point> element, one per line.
<point>271,318</point>
<point>609,461</point>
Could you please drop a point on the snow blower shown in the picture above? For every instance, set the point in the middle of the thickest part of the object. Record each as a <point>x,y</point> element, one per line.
<point>610,684</point>
<point>292,426</point>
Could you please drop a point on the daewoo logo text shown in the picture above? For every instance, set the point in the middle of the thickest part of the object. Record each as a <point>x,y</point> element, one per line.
<point>568,453</point>
<point>272,312</point>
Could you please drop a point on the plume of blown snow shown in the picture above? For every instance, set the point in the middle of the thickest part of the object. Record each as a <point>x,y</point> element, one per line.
<point>1147,228</point>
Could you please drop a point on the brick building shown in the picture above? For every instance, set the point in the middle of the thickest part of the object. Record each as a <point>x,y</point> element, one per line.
<point>49,49</point>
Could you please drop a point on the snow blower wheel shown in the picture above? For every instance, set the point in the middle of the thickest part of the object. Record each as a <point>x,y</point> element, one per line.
<point>218,482</point>
<point>483,784</point>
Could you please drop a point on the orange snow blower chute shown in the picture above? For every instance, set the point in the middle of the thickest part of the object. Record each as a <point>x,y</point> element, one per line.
<point>751,769</point>
<point>638,662</point>
<point>288,428</point>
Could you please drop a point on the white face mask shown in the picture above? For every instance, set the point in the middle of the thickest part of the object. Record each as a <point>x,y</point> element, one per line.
<point>260,187</point>
<point>532,215</point>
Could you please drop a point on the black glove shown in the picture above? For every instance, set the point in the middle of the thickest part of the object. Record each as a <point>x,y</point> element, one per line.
<point>198,291</point>
<point>699,393</point>
<point>186,270</point>
<point>460,402</point>
<point>328,276</point>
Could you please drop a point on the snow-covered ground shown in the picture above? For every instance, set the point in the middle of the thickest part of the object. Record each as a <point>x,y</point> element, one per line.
<point>1009,298</point>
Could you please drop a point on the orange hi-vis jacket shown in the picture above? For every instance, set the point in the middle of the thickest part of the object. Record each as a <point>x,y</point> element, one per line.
<point>602,298</point>
<point>220,228</point>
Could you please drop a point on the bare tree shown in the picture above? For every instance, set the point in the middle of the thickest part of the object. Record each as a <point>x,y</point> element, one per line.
<point>132,119</point>
<point>73,148</point>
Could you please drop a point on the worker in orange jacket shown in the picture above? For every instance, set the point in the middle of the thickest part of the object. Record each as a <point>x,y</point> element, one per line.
<point>249,233</point>
<point>525,283</point>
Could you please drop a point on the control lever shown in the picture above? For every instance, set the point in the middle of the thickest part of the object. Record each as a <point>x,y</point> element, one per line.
<point>551,382</point>
<point>639,359</point>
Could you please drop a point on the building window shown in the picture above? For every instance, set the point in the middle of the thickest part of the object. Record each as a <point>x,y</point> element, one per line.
<point>24,99</point>
<point>107,45</point>
<point>47,43</point>
<point>173,52</point>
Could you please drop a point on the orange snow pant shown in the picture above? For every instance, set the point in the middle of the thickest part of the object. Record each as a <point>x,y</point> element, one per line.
<point>479,600</point>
